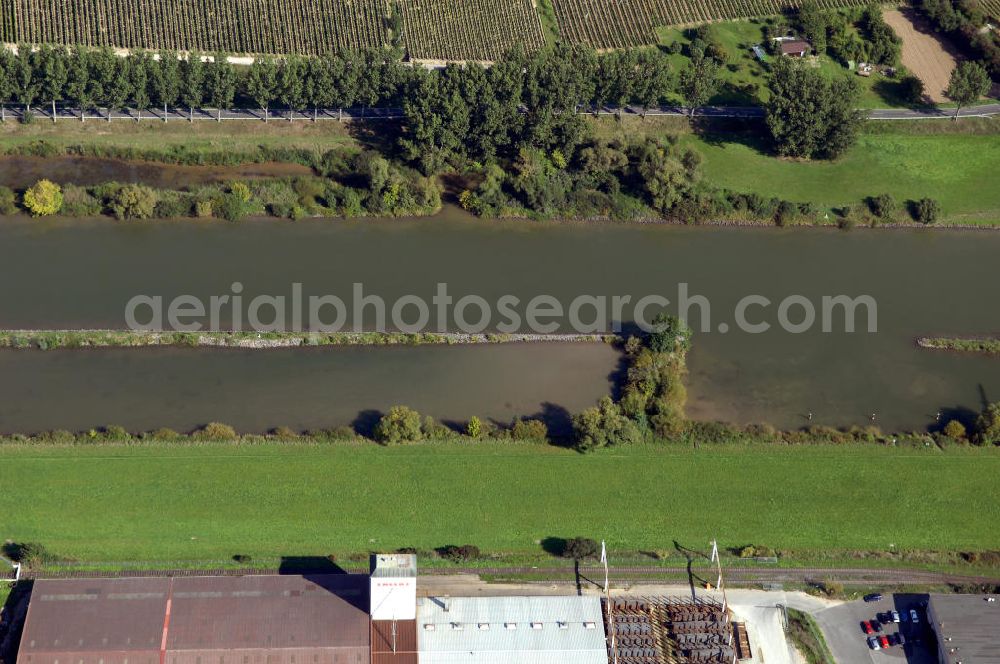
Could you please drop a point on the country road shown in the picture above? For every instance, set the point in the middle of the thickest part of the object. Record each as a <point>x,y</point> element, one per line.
<point>44,113</point>
<point>631,575</point>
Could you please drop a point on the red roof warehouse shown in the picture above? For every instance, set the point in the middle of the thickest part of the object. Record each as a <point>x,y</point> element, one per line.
<point>320,619</point>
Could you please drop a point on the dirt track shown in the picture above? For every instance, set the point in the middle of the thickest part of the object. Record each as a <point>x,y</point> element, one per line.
<point>925,54</point>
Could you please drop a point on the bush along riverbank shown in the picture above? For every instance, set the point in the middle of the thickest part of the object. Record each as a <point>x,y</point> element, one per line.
<point>364,185</point>
<point>983,345</point>
<point>54,339</point>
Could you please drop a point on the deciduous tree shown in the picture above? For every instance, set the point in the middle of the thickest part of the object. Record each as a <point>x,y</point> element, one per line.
<point>969,81</point>
<point>262,82</point>
<point>809,116</point>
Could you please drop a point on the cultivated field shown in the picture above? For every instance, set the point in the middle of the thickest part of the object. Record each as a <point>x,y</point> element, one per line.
<point>621,23</point>
<point>432,29</point>
<point>925,53</point>
<point>179,502</point>
<point>469,29</point>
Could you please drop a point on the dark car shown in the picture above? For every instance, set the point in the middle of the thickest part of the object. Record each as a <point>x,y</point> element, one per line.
<point>896,639</point>
<point>884,618</point>
<point>873,597</point>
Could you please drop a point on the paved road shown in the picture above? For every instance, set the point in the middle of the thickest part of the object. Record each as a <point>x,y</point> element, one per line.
<point>43,112</point>
<point>631,574</point>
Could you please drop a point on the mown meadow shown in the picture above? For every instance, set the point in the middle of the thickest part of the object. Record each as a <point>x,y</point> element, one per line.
<point>193,502</point>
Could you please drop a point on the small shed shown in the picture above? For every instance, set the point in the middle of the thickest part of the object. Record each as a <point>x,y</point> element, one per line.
<point>796,48</point>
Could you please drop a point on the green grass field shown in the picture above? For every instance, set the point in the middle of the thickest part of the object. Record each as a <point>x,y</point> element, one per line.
<point>175,503</point>
<point>234,136</point>
<point>960,171</point>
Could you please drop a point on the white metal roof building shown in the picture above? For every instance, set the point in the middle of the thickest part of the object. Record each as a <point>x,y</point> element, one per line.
<point>511,630</point>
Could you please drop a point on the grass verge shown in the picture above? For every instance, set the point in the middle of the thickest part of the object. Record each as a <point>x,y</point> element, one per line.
<point>181,141</point>
<point>805,634</point>
<point>161,501</point>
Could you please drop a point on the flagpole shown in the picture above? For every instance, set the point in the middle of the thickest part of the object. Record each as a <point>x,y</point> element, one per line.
<point>607,593</point>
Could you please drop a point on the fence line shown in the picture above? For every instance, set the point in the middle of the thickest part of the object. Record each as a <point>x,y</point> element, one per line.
<point>48,112</point>
<point>69,113</point>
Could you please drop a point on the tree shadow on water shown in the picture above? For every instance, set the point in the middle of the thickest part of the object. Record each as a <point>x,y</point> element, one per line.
<point>558,420</point>
<point>365,422</point>
<point>966,416</point>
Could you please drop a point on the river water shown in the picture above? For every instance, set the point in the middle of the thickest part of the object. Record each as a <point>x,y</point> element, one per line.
<point>59,274</point>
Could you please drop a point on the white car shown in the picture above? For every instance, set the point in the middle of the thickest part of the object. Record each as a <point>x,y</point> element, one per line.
<point>913,616</point>
<point>895,616</point>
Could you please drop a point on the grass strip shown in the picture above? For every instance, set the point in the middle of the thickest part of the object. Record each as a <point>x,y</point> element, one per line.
<point>153,500</point>
<point>808,639</point>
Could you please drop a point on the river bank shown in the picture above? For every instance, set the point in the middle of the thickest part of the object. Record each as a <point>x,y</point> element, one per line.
<point>950,163</point>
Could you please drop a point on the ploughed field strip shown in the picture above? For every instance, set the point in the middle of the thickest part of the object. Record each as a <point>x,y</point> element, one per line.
<point>625,23</point>
<point>431,29</point>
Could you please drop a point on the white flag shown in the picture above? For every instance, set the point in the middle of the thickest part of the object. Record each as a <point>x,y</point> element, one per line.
<point>604,553</point>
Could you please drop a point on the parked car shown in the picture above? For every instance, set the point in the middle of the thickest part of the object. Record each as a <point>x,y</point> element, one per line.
<point>896,639</point>
<point>913,616</point>
<point>873,643</point>
<point>873,597</point>
<point>866,627</point>
<point>894,615</point>
<point>883,641</point>
<point>876,625</point>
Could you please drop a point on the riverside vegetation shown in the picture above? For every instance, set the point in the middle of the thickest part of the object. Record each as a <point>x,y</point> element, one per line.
<point>509,139</point>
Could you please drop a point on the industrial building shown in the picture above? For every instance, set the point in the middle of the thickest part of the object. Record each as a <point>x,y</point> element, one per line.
<point>393,609</point>
<point>966,627</point>
<point>319,619</point>
<point>374,618</point>
<point>511,630</point>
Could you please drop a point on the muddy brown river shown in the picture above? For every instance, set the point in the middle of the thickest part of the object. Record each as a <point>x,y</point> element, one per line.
<point>58,274</point>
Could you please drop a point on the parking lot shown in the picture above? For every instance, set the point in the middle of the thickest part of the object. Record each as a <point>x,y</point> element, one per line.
<point>847,639</point>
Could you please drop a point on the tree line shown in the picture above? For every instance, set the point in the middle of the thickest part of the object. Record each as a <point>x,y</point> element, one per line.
<point>98,78</point>
<point>95,78</point>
